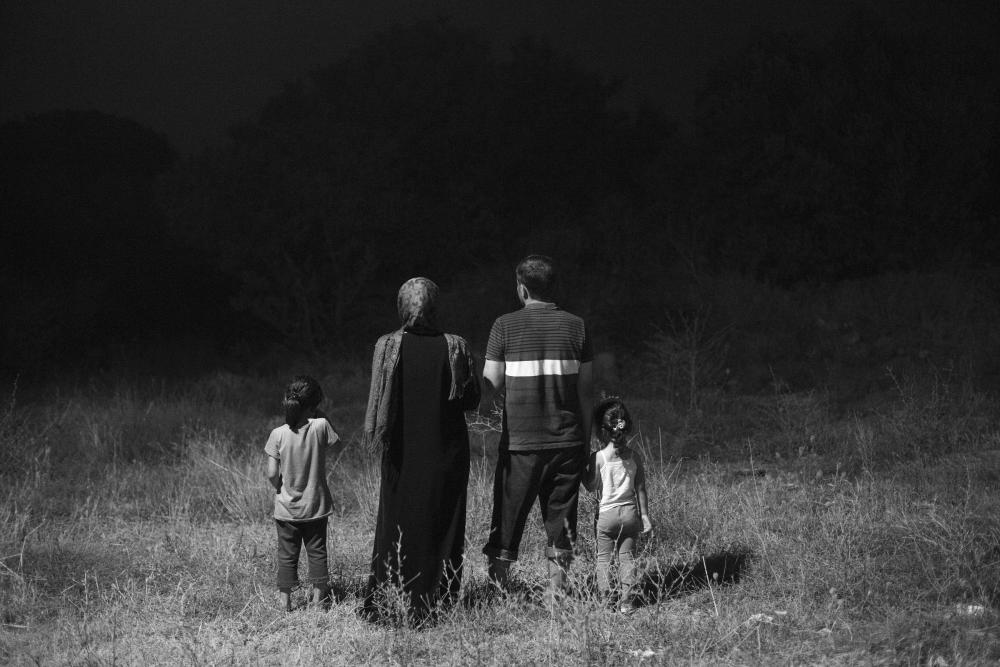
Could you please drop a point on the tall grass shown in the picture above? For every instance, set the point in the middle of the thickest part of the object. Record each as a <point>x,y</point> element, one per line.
<point>134,527</point>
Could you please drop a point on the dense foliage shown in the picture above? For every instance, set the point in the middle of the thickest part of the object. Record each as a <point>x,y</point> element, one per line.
<point>423,152</point>
<point>419,153</point>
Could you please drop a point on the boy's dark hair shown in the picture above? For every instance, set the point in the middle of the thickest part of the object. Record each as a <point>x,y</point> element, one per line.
<point>609,411</point>
<point>302,393</point>
<point>538,274</point>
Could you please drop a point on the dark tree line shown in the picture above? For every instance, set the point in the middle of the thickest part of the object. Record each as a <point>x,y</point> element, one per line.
<point>84,257</point>
<point>420,153</point>
<point>424,152</point>
<point>868,154</point>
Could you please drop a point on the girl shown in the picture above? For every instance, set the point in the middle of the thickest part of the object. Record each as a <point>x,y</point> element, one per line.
<point>616,472</point>
<point>296,468</point>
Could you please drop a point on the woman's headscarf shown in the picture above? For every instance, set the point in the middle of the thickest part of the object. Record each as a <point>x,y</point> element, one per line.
<point>417,304</point>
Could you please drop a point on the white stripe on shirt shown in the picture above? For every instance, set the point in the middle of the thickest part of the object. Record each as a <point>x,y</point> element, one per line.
<point>538,367</point>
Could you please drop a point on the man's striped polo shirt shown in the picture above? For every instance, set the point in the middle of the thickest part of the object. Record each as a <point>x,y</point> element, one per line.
<point>542,348</point>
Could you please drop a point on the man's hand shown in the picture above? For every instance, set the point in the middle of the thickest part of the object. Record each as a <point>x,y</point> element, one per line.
<point>647,525</point>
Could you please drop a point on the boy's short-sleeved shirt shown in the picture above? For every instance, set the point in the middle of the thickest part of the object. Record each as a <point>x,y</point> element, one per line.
<point>301,457</point>
<point>542,348</point>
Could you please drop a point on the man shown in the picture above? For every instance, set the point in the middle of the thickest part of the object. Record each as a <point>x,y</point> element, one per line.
<point>543,357</point>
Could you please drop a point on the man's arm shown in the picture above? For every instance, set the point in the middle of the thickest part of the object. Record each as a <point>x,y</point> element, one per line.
<point>585,392</point>
<point>493,384</point>
<point>493,373</point>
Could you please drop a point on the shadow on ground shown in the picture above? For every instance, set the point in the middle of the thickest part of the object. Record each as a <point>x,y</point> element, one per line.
<point>661,581</point>
<point>519,590</point>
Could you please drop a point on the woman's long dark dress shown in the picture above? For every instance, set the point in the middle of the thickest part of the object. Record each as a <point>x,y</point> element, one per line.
<point>425,472</point>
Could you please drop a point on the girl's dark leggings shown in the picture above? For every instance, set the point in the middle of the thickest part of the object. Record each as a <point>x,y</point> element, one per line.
<point>291,536</point>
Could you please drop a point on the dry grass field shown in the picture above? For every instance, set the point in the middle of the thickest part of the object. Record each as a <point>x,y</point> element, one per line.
<point>134,529</point>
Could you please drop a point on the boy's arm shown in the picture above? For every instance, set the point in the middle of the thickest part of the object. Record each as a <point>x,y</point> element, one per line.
<point>274,473</point>
<point>640,492</point>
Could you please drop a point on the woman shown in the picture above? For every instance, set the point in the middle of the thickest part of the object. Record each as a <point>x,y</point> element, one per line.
<point>422,382</point>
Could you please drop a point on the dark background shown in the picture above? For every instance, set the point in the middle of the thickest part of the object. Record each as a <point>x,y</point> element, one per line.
<point>791,189</point>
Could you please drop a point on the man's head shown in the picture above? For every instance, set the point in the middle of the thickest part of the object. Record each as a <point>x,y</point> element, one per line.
<point>537,275</point>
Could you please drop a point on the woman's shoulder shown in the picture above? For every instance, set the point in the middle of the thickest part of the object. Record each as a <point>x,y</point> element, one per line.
<point>384,339</point>
<point>388,343</point>
<point>455,339</point>
<point>458,347</point>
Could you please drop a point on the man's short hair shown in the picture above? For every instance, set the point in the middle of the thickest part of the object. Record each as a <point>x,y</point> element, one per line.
<point>538,274</point>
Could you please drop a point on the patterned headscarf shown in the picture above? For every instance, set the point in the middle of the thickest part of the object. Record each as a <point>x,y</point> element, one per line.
<point>417,303</point>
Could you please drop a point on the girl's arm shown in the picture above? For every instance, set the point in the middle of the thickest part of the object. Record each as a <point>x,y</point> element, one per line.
<point>333,441</point>
<point>640,492</point>
<point>274,473</point>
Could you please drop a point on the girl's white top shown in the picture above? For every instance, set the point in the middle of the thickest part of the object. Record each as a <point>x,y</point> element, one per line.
<point>617,489</point>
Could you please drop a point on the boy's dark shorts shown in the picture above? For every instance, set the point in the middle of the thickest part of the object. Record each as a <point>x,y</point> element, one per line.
<point>551,475</point>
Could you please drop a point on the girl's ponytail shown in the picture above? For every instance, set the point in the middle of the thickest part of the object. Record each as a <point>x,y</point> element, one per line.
<point>302,394</point>
<point>293,412</point>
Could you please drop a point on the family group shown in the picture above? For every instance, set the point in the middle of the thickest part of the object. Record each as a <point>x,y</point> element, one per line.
<point>423,382</point>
